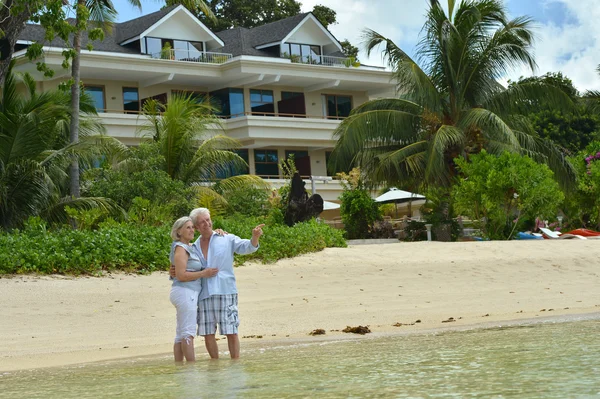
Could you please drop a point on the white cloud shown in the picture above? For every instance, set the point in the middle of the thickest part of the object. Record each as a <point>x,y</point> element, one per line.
<point>399,20</point>
<point>572,48</point>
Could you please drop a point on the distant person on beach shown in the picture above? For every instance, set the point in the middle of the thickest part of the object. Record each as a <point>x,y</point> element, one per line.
<point>218,304</point>
<point>186,287</point>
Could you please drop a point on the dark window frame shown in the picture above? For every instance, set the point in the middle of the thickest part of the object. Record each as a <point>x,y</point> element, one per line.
<point>266,163</point>
<point>262,103</point>
<point>103,88</point>
<point>139,103</point>
<point>326,104</point>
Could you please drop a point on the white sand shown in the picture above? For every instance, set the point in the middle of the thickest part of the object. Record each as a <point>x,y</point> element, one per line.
<point>49,321</point>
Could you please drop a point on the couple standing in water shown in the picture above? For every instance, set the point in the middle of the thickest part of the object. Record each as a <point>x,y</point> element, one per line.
<point>204,291</point>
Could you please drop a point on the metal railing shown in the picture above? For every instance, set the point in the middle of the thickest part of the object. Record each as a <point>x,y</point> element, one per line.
<point>205,57</point>
<point>327,60</point>
<point>106,111</point>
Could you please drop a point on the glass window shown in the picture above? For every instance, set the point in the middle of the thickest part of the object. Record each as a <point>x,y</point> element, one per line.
<point>266,162</point>
<point>131,100</point>
<point>337,106</point>
<point>236,100</point>
<point>181,50</point>
<point>153,46</point>
<point>305,53</point>
<point>233,171</point>
<point>261,102</point>
<point>288,95</point>
<point>97,95</point>
<point>229,101</point>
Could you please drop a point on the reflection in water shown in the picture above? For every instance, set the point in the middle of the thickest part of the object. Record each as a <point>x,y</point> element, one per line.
<point>552,360</point>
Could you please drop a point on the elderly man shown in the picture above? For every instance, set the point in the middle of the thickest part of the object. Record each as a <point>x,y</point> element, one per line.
<point>218,303</point>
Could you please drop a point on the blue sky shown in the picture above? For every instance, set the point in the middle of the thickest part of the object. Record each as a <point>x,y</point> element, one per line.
<point>567,36</point>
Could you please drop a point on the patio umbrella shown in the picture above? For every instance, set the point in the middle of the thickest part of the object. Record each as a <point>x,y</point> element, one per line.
<point>327,205</point>
<point>398,196</point>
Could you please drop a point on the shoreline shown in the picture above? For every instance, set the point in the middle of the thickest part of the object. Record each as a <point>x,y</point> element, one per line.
<point>50,321</point>
<point>275,344</point>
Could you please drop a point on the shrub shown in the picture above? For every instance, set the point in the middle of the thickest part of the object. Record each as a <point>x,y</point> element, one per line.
<point>358,210</point>
<point>506,191</point>
<point>582,207</point>
<point>138,248</point>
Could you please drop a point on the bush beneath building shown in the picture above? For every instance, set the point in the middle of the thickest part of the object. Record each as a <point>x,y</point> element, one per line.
<point>125,247</point>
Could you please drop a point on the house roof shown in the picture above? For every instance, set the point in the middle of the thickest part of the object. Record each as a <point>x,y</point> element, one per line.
<point>134,27</point>
<point>238,41</point>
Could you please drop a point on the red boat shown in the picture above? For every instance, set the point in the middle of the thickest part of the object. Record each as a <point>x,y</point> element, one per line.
<point>584,232</point>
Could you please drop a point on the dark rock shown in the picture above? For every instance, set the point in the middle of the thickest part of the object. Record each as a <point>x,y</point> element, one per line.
<point>301,207</point>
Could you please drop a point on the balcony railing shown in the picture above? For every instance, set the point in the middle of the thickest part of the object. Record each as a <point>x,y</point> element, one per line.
<point>206,57</point>
<point>272,114</point>
<point>327,60</point>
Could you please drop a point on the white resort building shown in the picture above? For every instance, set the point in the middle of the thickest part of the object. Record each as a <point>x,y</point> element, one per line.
<point>282,87</point>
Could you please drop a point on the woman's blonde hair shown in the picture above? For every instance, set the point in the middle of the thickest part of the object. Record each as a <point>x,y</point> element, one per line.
<point>179,223</point>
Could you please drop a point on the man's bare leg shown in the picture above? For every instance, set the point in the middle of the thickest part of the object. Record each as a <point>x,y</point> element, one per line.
<point>233,341</point>
<point>178,352</point>
<point>211,346</point>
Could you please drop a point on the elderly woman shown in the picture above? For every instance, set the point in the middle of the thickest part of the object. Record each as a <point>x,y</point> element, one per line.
<point>186,287</point>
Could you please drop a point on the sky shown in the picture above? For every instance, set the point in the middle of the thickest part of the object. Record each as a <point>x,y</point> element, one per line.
<point>566,31</point>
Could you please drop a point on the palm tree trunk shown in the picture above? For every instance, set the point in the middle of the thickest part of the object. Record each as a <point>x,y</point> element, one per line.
<point>75,93</point>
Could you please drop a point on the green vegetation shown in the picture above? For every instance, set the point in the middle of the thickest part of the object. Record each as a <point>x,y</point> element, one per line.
<point>141,248</point>
<point>358,210</point>
<point>509,191</point>
<point>450,102</point>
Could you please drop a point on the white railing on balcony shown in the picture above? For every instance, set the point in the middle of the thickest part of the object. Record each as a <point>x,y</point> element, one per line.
<point>322,60</point>
<point>193,56</point>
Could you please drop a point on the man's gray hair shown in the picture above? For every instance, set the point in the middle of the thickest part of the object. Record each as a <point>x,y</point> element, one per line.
<point>179,223</point>
<point>197,212</point>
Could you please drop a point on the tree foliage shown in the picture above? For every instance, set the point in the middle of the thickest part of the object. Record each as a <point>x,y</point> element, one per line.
<point>572,130</point>
<point>450,101</point>
<point>245,13</point>
<point>325,15</point>
<point>358,210</point>
<point>34,152</point>
<point>507,190</point>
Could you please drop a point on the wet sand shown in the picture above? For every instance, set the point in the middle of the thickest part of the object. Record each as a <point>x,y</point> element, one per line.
<point>57,320</point>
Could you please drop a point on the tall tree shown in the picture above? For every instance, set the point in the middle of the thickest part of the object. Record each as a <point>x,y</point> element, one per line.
<point>14,14</point>
<point>325,15</point>
<point>450,102</point>
<point>34,151</point>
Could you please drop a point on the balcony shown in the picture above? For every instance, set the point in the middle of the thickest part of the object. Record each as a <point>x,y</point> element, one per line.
<point>327,60</point>
<point>204,57</point>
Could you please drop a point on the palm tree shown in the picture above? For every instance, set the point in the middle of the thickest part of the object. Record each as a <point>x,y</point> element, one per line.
<point>179,130</point>
<point>450,103</point>
<point>34,152</point>
<point>102,13</point>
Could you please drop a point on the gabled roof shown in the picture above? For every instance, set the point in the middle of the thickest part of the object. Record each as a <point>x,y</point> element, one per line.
<point>237,41</point>
<point>137,26</point>
<point>274,31</point>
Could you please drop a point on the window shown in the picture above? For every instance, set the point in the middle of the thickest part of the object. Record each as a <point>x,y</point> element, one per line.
<point>187,51</point>
<point>288,95</point>
<point>336,107</point>
<point>265,162</point>
<point>301,160</point>
<point>182,49</point>
<point>131,100</point>
<point>97,95</point>
<point>261,102</point>
<point>232,170</point>
<point>229,101</point>
<point>292,104</point>
<point>155,45</point>
<point>305,53</point>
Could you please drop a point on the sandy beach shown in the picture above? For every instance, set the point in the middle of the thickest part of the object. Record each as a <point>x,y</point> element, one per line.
<point>56,320</point>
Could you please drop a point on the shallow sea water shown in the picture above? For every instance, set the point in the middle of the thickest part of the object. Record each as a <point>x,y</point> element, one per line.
<point>542,360</point>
